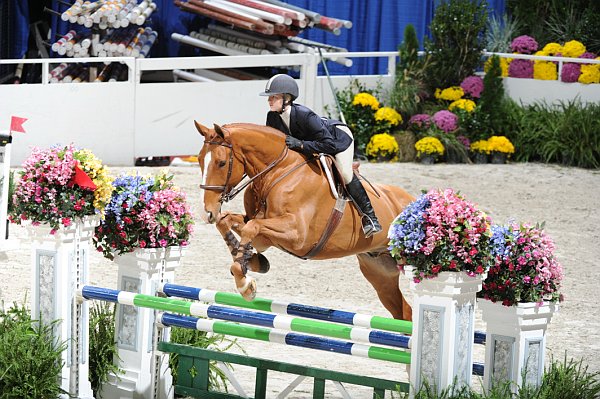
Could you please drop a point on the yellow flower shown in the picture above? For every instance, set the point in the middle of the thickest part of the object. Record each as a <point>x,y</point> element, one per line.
<point>500,144</point>
<point>504,62</point>
<point>93,167</point>
<point>429,145</point>
<point>573,49</point>
<point>389,115</point>
<point>541,53</point>
<point>544,70</point>
<point>590,73</point>
<point>552,48</point>
<point>366,100</point>
<point>382,144</point>
<point>480,146</point>
<point>467,105</point>
<point>452,93</point>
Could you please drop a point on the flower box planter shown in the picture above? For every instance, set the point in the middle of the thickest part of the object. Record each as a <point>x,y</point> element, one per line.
<point>141,271</point>
<point>59,264</point>
<point>515,342</point>
<point>498,158</point>
<point>480,158</point>
<point>427,159</point>
<point>443,332</point>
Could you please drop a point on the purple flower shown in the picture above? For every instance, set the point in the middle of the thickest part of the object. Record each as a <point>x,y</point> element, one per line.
<point>588,55</point>
<point>524,45</point>
<point>464,141</point>
<point>445,120</point>
<point>570,72</point>
<point>420,120</point>
<point>521,69</point>
<point>473,86</point>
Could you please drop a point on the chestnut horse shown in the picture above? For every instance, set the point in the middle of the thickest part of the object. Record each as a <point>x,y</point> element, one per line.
<point>288,203</point>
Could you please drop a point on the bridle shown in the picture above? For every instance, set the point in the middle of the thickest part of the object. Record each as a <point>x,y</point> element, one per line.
<point>228,194</point>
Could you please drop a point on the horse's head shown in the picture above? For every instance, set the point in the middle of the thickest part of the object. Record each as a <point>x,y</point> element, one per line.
<point>220,169</point>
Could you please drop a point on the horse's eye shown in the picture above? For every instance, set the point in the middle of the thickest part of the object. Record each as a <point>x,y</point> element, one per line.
<point>221,164</point>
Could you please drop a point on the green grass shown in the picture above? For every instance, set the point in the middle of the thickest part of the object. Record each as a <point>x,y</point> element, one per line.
<point>30,358</point>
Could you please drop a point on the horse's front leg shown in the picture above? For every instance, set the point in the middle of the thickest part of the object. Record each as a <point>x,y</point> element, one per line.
<point>225,224</point>
<point>281,231</point>
<point>229,223</point>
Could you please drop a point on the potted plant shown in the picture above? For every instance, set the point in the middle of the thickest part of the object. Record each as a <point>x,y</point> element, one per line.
<point>480,151</point>
<point>429,149</point>
<point>441,241</point>
<point>58,186</point>
<point>146,226</point>
<point>358,105</point>
<point>382,147</point>
<point>441,232</point>
<point>144,212</point>
<point>501,149</point>
<point>518,300</point>
<point>525,268</point>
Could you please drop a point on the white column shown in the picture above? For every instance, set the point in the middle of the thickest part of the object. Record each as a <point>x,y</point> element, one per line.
<point>141,272</point>
<point>515,342</point>
<point>5,148</point>
<point>443,319</point>
<point>56,273</point>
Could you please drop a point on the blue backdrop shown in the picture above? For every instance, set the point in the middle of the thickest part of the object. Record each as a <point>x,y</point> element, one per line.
<point>378,25</point>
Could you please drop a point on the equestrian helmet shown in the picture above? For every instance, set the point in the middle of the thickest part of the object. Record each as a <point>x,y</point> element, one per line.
<point>281,84</point>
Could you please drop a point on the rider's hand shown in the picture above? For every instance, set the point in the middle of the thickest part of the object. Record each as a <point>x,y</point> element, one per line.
<point>293,143</point>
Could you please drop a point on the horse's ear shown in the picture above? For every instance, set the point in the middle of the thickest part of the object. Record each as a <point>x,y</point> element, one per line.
<point>203,130</point>
<point>224,133</point>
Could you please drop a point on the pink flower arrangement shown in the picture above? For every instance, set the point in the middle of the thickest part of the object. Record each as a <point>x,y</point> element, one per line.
<point>445,120</point>
<point>472,86</point>
<point>521,69</point>
<point>144,213</point>
<point>420,121</point>
<point>570,72</point>
<point>525,268</point>
<point>58,185</point>
<point>524,45</point>
<point>441,231</point>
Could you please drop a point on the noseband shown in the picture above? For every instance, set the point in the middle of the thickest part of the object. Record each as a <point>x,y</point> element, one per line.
<point>229,194</point>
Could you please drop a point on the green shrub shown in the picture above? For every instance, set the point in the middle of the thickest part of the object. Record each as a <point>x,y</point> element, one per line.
<point>457,40</point>
<point>103,348</point>
<point>500,33</point>
<point>562,380</point>
<point>408,93</point>
<point>200,339</point>
<point>30,356</point>
<point>569,379</point>
<point>567,134</point>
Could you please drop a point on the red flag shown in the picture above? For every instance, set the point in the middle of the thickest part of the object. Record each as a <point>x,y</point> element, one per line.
<point>16,124</point>
<point>82,179</point>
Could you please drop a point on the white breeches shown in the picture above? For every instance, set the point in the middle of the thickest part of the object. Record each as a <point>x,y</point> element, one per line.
<point>344,159</point>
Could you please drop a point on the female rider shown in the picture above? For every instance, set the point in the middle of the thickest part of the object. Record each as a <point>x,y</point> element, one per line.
<point>308,133</point>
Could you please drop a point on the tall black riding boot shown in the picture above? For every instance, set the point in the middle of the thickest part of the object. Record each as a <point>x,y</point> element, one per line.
<point>370,224</point>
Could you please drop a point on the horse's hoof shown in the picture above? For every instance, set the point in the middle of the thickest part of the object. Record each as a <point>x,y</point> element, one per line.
<point>259,263</point>
<point>248,291</point>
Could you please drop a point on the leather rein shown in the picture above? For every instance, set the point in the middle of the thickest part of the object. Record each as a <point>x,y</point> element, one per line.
<point>233,191</point>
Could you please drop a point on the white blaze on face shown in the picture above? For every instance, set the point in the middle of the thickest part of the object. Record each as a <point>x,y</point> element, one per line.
<point>203,174</point>
<point>207,160</point>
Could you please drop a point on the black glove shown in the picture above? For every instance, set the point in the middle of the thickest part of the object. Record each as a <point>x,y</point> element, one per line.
<point>293,143</point>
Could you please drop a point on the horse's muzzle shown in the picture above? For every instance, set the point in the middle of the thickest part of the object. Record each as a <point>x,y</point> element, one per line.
<point>211,217</point>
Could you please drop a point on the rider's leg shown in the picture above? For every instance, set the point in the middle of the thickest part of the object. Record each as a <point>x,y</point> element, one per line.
<point>361,199</point>
<point>356,190</point>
